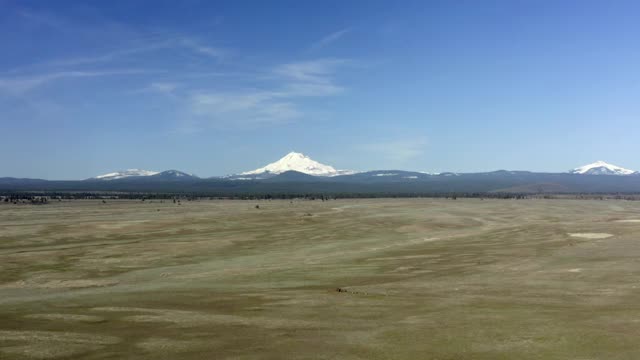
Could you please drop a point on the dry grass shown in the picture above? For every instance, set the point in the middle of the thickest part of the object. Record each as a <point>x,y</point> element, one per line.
<point>418,278</point>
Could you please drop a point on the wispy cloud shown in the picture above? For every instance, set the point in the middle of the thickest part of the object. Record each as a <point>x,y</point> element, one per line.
<point>276,105</point>
<point>159,87</point>
<point>22,80</point>
<point>23,84</point>
<point>210,51</point>
<point>262,95</point>
<point>397,151</point>
<point>43,19</point>
<point>107,56</point>
<point>313,70</point>
<point>130,51</point>
<point>327,40</point>
<point>105,42</point>
<point>163,87</point>
<point>311,89</point>
<point>125,40</point>
<point>311,78</point>
<point>242,109</point>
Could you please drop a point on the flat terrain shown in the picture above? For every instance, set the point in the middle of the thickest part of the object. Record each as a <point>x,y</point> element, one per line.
<point>342,279</point>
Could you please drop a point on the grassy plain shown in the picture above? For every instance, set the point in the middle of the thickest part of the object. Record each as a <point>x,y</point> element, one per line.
<point>417,279</point>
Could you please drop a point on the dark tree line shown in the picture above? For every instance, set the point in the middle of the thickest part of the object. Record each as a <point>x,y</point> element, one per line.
<point>46,197</point>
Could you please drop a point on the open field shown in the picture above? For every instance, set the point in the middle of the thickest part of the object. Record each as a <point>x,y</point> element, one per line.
<point>342,279</point>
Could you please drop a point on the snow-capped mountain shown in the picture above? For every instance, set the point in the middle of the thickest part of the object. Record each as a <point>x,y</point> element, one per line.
<point>146,174</point>
<point>601,168</point>
<point>299,162</point>
<point>124,174</point>
<point>175,174</point>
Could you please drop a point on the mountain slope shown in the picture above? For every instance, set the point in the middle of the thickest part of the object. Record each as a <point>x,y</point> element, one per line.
<point>124,174</point>
<point>294,176</point>
<point>173,175</point>
<point>601,168</point>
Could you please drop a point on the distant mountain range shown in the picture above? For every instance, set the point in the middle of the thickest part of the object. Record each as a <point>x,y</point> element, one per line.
<point>295,161</point>
<point>297,173</point>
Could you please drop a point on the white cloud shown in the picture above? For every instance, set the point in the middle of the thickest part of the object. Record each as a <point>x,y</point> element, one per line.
<point>164,88</point>
<point>329,39</point>
<point>130,50</point>
<point>310,78</point>
<point>210,51</point>
<point>105,57</point>
<point>231,102</point>
<point>243,108</point>
<point>311,89</point>
<point>310,71</point>
<point>112,41</point>
<point>22,84</point>
<point>271,95</point>
<point>43,19</point>
<point>275,105</point>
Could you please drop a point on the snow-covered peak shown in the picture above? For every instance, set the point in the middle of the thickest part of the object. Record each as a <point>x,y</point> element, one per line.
<point>124,174</point>
<point>295,161</point>
<point>601,168</point>
<point>176,173</point>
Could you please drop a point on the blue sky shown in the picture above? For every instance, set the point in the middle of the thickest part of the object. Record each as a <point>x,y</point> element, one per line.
<point>215,87</point>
